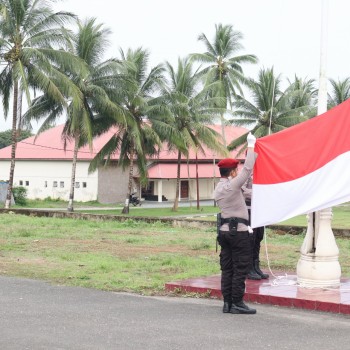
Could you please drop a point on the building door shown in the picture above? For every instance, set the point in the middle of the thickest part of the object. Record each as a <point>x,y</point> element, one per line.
<point>184,189</point>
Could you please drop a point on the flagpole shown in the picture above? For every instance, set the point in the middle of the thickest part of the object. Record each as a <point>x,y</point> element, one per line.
<point>318,265</point>
<point>272,99</point>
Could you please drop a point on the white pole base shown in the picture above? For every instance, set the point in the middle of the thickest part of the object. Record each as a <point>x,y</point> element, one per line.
<point>318,272</point>
<point>318,265</point>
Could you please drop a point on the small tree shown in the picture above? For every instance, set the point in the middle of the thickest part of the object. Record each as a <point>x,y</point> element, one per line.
<point>20,195</point>
<point>340,92</point>
<point>5,137</point>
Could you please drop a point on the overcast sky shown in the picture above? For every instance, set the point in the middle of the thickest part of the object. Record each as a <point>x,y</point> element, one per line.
<point>281,33</point>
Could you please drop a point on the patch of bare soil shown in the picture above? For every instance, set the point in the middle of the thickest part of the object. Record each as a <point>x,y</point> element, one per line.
<point>111,247</point>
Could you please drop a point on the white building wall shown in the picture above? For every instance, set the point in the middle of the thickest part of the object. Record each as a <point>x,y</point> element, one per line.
<point>113,184</point>
<point>168,188</point>
<point>206,189</point>
<point>192,194</point>
<point>40,178</point>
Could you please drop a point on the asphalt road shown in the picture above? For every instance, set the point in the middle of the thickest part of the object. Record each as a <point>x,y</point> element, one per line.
<point>36,315</point>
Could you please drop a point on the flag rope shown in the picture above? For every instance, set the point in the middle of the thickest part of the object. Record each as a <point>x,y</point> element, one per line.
<point>278,281</point>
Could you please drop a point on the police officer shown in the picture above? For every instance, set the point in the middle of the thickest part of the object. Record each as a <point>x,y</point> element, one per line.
<point>255,272</point>
<point>233,237</point>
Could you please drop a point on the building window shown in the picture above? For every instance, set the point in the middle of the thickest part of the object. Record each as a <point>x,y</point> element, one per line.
<point>55,184</point>
<point>77,184</point>
<point>62,184</point>
<point>27,183</point>
<point>20,182</point>
<point>45,184</point>
<point>84,185</point>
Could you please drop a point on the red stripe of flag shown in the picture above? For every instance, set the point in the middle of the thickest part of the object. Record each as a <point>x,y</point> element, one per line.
<point>303,148</point>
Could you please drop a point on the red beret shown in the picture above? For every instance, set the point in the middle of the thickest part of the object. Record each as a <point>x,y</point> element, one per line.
<point>228,163</point>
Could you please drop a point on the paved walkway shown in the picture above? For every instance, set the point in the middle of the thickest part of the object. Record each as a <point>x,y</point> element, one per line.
<point>35,315</point>
<point>145,204</point>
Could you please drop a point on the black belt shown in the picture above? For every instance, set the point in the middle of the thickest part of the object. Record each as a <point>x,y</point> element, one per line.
<point>239,220</point>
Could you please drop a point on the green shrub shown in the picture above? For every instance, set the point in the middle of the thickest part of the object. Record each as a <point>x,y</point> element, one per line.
<point>20,195</point>
<point>49,199</point>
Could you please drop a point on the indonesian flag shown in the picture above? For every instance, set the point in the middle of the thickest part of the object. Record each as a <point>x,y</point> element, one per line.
<point>302,169</point>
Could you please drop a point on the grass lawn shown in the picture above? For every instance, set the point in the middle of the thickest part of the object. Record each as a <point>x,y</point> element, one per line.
<point>129,256</point>
<point>341,218</point>
<point>159,212</point>
<point>53,203</point>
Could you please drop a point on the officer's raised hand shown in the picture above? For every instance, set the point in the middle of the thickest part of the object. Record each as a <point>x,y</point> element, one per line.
<point>251,139</point>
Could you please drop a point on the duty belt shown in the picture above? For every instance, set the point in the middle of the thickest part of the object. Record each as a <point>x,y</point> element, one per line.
<point>239,220</point>
<point>232,222</point>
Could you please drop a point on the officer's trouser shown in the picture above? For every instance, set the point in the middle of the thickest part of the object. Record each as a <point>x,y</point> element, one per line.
<point>235,257</point>
<point>258,237</point>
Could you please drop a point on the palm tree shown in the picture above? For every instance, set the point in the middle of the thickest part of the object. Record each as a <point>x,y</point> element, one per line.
<point>340,92</point>
<point>223,65</point>
<point>190,112</point>
<point>30,35</point>
<point>95,85</point>
<point>271,109</point>
<point>301,92</point>
<point>138,139</point>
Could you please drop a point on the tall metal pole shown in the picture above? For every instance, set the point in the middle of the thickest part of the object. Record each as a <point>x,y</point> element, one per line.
<point>271,107</point>
<point>318,265</point>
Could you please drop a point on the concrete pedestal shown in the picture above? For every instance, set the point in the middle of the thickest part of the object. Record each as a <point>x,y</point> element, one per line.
<point>318,265</point>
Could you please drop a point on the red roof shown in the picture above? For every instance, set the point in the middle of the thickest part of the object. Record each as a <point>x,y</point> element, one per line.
<point>169,171</point>
<point>49,146</point>
<point>231,133</point>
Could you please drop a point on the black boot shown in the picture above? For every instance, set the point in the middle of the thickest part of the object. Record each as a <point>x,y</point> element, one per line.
<point>241,308</point>
<point>252,274</point>
<point>227,307</point>
<point>258,271</point>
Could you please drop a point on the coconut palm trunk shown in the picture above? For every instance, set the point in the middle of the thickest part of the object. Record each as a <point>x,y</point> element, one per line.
<point>131,173</point>
<point>189,180</point>
<point>13,145</point>
<point>19,114</point>
<point>74,168</point>
<point>222,119</point>
<point>176,202</point>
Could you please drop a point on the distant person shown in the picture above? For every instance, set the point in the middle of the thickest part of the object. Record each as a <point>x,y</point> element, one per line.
<point>233,235</point>
<point>255,272</point>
